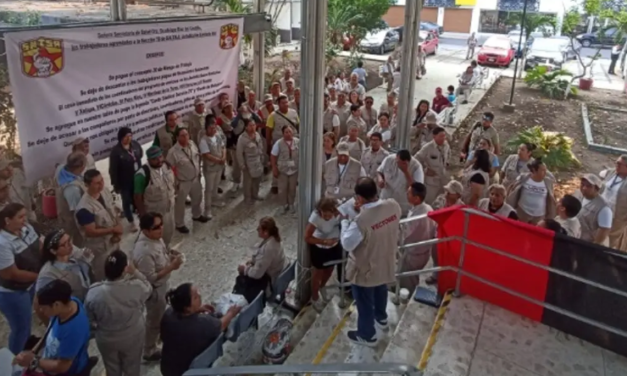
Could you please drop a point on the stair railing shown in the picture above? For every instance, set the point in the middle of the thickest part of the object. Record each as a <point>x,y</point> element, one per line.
<point>300,369</point>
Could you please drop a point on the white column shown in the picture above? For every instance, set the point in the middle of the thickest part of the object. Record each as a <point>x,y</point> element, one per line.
<point>441,16</point>
<point>259,41</point>
<point>313,21</point>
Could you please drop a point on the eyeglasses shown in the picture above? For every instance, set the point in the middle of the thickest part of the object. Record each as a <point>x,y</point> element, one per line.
<point>157,227</point>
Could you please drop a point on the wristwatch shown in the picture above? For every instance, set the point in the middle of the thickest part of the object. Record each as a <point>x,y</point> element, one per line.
<point>34,364</point>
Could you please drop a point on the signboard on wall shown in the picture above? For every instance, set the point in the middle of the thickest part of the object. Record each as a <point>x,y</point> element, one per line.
<point>88,82</point>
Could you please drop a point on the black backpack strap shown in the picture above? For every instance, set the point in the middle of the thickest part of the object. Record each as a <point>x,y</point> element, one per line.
<point>146,173</point>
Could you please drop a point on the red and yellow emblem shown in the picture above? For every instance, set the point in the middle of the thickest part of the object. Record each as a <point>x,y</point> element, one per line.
<point>42,57</point>
<point>229,35</point>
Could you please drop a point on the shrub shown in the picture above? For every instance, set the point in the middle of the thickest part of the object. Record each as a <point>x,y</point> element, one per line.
<point>550,82</point>
<point>554,148</point>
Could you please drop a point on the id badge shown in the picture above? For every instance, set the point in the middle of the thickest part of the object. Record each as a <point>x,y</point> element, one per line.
<point>291,164</point>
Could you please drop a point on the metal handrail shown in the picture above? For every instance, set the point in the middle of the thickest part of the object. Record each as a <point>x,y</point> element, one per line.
<point>299,369</point>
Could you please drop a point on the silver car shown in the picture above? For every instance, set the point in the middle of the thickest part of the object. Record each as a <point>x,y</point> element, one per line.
<point>380,42</point>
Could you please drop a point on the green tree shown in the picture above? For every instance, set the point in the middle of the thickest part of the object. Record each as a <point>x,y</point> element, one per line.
<point>570,22</point>
<point>357,17</point>
<point>618,19</point>
<point>533,22</point>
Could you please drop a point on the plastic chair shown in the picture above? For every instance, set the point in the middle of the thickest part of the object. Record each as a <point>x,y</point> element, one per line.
<point>246,318</point>
<point>206,358</point>
<point>283,282</point>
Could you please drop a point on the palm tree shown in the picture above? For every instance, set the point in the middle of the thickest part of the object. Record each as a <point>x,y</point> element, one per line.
<point>340,19</point>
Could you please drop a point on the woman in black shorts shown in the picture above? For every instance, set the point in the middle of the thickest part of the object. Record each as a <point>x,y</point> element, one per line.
<point>323,236</point>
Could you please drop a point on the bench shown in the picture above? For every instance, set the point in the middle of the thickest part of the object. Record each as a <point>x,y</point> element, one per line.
<point>210,355</point>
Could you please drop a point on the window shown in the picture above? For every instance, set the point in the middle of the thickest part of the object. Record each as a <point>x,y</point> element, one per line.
<point>498,21</point>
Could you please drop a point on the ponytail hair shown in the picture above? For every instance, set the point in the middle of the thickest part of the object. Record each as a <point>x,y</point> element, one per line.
<point>115,265</point>
<point>180,298</point>
<point>268,224</point>
<point>530,146</point>
<point>535,164</point>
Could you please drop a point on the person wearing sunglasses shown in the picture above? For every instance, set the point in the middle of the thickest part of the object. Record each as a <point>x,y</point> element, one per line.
<point>153,259</point>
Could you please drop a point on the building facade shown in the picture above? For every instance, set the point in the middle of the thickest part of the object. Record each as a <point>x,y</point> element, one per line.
<point>480,16</point>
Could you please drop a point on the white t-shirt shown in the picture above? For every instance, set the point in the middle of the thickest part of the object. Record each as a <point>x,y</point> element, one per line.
<point>611,190</point>
<point>325,229</point>
<point>203,147</point>
<point>11,246</point>
<point>605,217</point>
<point>533,198</point>
<point>336,121</point>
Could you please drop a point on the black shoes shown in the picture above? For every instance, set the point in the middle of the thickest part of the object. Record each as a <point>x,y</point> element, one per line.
<point>201,219</point>
<point>183,230</point>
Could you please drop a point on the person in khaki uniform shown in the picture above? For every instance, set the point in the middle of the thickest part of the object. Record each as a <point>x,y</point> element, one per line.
<point>195,119</point>
<point>284,157</point>
<point>434,157</point>
<point>452,196</point>
<point>418,230</point>
<point>98,222</point>
<point>532,194</point>
<point>596,215</point>
<point>153,259</point>
<point>396,174</point>
<point>330,118</point>
<point>495,203</point>
<point>355,144</point>
<point>275,91</point>
<point>388,106</point>
<point>615,194</point>
<point>283,116</point>
<point>185,161</point>
<point>165,137</point>
<point>82,144</point>
<point>355,120</point>
<point>369,114</point>
<point>385,129</point>
<point>213,151</point>
<point>19,191</point>
<point>482,129</point>
<point>340,174</point>
<point>373,156</point>
<point>155,190</point>
<point>343,109</point>
<point>69,191</point>
<point>250,155</point>
<point>371,239</point>
<point>516,164</point>
<point>295,102</point>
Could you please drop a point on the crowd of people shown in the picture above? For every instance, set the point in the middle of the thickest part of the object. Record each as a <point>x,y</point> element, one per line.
<point>78,281</point>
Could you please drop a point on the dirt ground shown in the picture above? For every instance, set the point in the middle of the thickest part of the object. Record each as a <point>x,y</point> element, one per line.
<point>608,126</point>
<point>533,109</point>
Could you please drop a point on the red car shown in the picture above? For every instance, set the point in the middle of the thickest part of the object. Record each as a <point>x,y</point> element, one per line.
<point>497,51</point>
<point>429,42</point>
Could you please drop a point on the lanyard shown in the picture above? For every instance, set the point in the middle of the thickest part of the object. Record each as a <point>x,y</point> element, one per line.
<point>616,182</point>
<point>289,147</point>
<point>188,156</point>
<point>341,173</point>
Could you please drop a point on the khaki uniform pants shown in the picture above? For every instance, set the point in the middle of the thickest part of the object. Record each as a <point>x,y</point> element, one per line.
<point>433,191</point>
<point>251,186</point>
<point>287,187</point>
<point>122,357</point>
<point>236,172</point>
<point>462,90</point>
<point>193,189</point>
<point>524,217</point>
<point>412,263</point>
<point>155,308</point>
<point>168,227</point>
<point>212,182</point>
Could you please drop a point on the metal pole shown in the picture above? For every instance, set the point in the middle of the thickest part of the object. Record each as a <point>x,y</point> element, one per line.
<point>313,18</point>
<point>259,56</point>
<point>122,10</point>
<point>462,254</point>
<point>114,10</point>
<point>408,72</point>
<point>522,50</point>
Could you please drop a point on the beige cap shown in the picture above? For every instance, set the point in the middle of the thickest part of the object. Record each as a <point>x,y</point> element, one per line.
<point>593,179</point>
<point>79,141</point>
<point>267,97</point>
<point>342,148</point>
<point>198,101</point>
<point>454,187</point>
<point>430,118</point>
<point>275,83</point>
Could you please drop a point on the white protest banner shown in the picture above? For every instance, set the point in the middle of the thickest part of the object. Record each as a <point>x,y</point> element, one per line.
<point>88,82</point>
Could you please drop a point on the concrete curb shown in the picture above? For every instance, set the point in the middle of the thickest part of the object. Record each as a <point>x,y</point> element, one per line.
<point>587,130</point>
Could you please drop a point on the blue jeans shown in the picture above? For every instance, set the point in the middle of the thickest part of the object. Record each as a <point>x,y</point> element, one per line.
<point>17,308</point>
<point>127,203</point>
<point>371,303</point>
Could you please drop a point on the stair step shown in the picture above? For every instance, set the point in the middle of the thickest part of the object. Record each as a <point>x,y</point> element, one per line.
<point>344,351</point>
<point>452,352</point>
<point>306,350</point>
<point>411,334</point>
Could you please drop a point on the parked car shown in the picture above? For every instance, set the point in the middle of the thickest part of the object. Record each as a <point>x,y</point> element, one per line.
<point>551,52</point>
<point>424,25</point>
<point>497,51</point>
<point>379,42</point>
<point>607,37</point>
<point>429,42</point>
